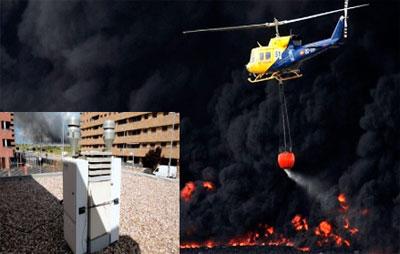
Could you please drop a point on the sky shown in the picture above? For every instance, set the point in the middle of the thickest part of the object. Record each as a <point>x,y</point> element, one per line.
<point>132,56</point>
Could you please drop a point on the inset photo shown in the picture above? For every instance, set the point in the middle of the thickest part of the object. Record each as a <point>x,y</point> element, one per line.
<point>86,182</point>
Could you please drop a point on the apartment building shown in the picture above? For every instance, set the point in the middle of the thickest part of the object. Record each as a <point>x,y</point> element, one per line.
<point>7,139</point>
<point>136,133</point>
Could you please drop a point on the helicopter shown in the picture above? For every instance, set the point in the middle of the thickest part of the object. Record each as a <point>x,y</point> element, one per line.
<point>283,56</point>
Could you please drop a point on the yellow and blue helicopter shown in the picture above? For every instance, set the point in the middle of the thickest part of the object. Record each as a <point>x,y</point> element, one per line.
<point>283,56</point>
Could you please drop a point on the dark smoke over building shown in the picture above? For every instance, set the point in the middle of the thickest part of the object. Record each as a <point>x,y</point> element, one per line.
<point>40,127</point>
<point>125,55</point>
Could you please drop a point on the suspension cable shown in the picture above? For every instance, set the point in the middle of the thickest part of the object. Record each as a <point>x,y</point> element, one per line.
<point>287,122</point>
<point>281,98</point>
<point>287,139</point>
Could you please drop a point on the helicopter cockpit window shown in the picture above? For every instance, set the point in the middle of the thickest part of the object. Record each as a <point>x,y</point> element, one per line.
<point>261,56</point>
<point>267,55</point>
<point>297,42</point>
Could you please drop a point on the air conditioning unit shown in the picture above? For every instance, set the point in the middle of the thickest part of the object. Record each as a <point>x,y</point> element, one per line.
<point>91,187</point>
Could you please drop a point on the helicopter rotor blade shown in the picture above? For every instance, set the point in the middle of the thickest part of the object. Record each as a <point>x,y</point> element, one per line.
<point>269,24</point>
<point>284,22</point>
<point>228,28</point>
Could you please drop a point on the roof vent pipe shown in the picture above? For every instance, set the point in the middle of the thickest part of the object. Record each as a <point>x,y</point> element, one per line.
<point>109,134</point>
<point>74,135</point>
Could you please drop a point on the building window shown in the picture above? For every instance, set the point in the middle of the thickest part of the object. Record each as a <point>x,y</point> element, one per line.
<point>6,142</point>
<point>5,125</point>
<point>135,119</point>
<point>122,121</point>
<point>154,114</point>
<point>176,126</point>
<point>153,129</point>
<point>133,133</point>
<point>165,128</point>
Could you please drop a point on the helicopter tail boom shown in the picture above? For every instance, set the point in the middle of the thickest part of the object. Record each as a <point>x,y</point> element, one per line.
<point>339,30</point>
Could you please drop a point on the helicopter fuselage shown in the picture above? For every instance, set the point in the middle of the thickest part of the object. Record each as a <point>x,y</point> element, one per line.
<point>285,53</point>
<point>283,56</point>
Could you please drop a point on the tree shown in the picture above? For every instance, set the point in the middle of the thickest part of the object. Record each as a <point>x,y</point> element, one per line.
<point>152,158</point>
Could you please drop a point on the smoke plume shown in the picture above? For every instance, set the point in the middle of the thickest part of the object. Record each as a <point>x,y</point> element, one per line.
<point>40,127</point>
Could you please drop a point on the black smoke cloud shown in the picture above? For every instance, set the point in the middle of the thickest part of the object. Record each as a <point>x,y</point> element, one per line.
<point>373,180</point>
<point>99,55</point>
<point>123,55</point>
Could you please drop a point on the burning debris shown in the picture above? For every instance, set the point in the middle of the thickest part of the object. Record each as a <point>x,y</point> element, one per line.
<point>187,191</point>
<point>190,187</point>
<point>299,223</point>
<point>208,185</point>
<point>325,233</point>
<point>343,202</point>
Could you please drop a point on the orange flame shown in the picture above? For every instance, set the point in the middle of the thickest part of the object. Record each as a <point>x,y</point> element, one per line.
<point>187,191</point>
<point>353,231</point>
<point>248,239</point>
<point>346,223</point>
<point>299,223</point>
<point>324,228</point>
<point>192,245</point>
<point>210,244</point>
<point>304,249</point>
<point>209,186</point>
<point>342,198</point>
<point>269,230</point>
<point>343,202</point>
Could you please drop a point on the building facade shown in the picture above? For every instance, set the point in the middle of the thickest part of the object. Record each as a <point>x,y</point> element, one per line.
<point>7,139</point>
<point>135,133</point>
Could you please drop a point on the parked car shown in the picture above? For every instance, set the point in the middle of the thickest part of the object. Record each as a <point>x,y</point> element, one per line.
<point>162,170</point>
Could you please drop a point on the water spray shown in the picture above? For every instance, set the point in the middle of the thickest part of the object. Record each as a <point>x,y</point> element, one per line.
<point>311,185</point>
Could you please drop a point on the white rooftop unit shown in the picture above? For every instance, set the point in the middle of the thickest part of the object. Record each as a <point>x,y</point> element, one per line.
<point>91,187</point>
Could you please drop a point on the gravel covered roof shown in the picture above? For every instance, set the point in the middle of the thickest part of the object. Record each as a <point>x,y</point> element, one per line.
<point>31,215</point>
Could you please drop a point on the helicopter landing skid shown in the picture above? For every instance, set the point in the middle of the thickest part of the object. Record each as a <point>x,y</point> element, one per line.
<point>279,76</point>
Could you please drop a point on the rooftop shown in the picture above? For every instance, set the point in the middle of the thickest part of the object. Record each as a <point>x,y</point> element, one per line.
<point>31,218</point>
